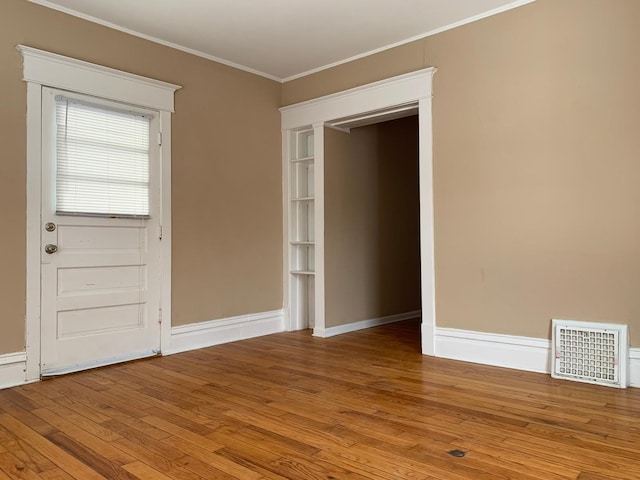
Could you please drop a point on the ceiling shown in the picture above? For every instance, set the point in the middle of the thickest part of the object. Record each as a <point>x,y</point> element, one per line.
<point>282,39</point>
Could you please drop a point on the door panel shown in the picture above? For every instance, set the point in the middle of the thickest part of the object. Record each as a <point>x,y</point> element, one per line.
<point>100,296</point>
<point>113,279</point>
<point>103,238</point>
<point>101,287</point>
<point>79,322</point>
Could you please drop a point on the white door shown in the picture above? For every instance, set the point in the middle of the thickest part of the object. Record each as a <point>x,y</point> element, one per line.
<point>100,265</point>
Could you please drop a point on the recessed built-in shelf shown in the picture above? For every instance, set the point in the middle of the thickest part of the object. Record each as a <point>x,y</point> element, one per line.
<point>301,254</point>
<point>303,147</point>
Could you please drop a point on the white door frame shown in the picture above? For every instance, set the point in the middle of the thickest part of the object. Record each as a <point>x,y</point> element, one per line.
<point>41,68</point>
<point>375,100</point>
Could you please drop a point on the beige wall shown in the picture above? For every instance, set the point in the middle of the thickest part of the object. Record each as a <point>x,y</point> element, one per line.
<point>227,200</point>
<point>536,170</point>
<point>372,248</point>
<point>535,165</point>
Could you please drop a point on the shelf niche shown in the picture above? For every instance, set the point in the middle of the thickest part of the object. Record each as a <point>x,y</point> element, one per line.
<point>301,249</point>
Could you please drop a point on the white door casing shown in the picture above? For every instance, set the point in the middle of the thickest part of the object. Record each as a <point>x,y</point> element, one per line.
<point>41,69</point>
<point>100,299</point>
<point>372,102</point>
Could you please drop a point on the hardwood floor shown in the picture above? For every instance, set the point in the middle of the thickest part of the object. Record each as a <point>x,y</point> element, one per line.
<point>364,405</point>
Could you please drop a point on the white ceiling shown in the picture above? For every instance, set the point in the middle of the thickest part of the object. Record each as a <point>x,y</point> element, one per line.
<point>282,39</point>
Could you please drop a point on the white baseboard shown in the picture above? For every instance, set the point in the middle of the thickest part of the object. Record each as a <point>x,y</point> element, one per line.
<point>225,330</point>
<point>634,367</point>
<point>12,369</point>
<point>362,324</point>
<point>520,353</point>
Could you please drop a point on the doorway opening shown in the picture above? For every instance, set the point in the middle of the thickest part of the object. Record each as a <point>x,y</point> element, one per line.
<point>304,124</point>
<point>372,223</point>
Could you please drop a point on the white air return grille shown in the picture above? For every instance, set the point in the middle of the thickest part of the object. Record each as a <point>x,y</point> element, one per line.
<point>591,352</point>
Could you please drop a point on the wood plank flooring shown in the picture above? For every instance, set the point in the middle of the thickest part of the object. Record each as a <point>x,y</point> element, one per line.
<point>364,405</point>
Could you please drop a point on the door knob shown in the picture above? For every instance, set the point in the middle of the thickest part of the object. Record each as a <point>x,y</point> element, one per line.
<point>50,248</point>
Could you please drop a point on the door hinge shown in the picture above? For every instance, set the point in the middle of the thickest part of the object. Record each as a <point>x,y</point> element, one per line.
<point>159,315</point>
<point>159,138</point>
<point>160,232</point>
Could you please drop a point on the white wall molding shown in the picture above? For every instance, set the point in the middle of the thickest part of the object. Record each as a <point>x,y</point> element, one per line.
<point>377,96</point>
<point>12,369</point>
<point>213,58</point>
<point>508,351</point>
<point>521,353</point>
<point>475,18</point>
<point>53,70</point>
<point>362,324</point>
<point>183,338</point>
<point>225,330</point>
<point>12,358</point>
<point>135,33</point>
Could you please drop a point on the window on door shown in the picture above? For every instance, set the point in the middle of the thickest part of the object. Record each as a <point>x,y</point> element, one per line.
<point>102,159</point>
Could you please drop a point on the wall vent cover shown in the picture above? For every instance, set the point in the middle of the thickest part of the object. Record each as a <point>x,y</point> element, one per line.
<point>590,352</point>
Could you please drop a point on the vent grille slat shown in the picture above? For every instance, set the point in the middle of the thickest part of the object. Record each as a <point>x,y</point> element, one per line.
<point>590,352</point>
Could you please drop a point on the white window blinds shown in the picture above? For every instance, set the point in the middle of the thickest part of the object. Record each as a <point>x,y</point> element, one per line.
<point>102,160</point>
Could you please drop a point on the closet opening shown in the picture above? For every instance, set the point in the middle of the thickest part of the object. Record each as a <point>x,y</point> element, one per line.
<point>356,234</point>
<point>372,220</point>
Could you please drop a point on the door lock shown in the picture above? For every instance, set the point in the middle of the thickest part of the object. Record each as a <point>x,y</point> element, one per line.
<point>50,248</point>
<point>50,227</point>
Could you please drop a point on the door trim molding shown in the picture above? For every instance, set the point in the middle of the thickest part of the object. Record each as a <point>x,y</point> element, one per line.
<point>373,101</point>
<point>41,68</point>
<point>53,70</point>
